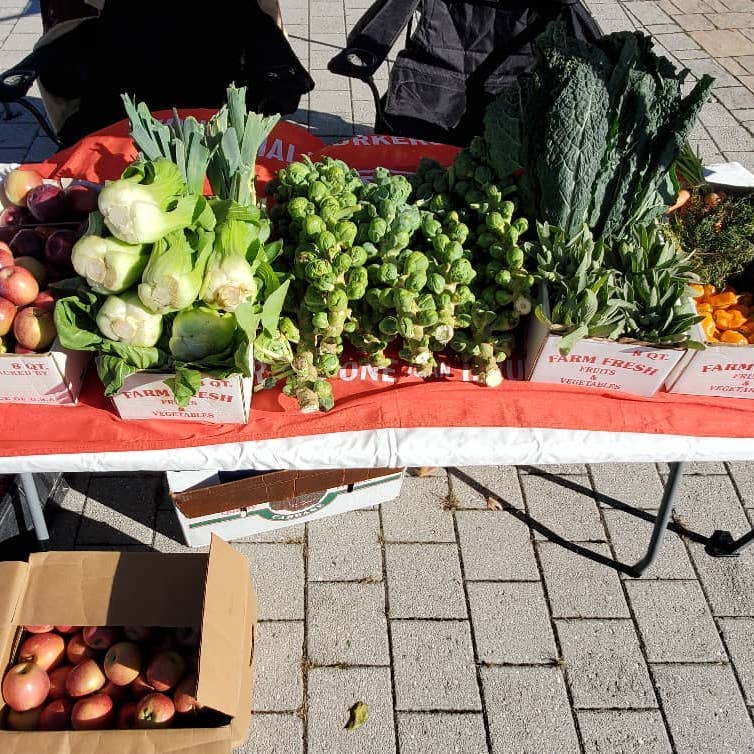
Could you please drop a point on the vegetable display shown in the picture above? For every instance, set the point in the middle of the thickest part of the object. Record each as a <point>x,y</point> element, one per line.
<point>727,316</point>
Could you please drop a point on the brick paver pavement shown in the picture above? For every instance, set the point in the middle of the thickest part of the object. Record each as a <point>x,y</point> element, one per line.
<point>462,628</point>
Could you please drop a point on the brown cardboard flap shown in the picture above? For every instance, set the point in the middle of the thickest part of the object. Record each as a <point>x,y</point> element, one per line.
<point>239,725</point>
<point>13,577</point>
<point>268,488</point>
<point>112,588</point>
<point>175,741</point>
<point>225,637</point>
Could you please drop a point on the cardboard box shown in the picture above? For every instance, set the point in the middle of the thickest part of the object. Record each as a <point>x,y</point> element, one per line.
<point>211,591</point>
<point>54,377</point>
<point>145,395</point>
<point>636,368</point>
<point>722,369</point>
<point>205,503</point>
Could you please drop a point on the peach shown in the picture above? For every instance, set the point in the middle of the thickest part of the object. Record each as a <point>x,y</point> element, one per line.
<point>57,682</point>
<point>38,629</point>
<point>184,696</point>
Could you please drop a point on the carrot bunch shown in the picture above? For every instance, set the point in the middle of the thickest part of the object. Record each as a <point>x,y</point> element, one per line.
<point>728,316</point>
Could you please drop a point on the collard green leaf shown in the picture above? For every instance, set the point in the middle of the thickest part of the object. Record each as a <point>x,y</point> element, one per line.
<point>184,384</point>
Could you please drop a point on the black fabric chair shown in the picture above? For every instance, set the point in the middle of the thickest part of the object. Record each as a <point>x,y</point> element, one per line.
<point>457,58</point>
<point>166,53</point>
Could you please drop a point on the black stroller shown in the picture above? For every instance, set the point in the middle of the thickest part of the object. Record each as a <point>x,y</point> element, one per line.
<point>457,58</point>
<point>166,53</point>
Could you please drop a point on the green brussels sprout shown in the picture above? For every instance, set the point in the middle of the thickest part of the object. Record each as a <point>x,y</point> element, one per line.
<point>405,327</point>
<point>442,333</point>
<point>315,300</point>
<point>515,257</point>
<point>404,301</point>
<point>358,256</point>
<point>430,226</point>
<point>388,326</point>
<point>289,329</point>
<point>378,227</point>
<point>458,232</point>
<point>461,271</point>
<point>342,262</point>
<point>317,269</point>
<point>313,225</point>
<point>416,262</point>
<point>415,281</point>
<point>387,298</point>
<point>326,242</point>
<point>337,299</point>
<point>435,282</point>
<point>427,318</point>
<point>521,224</point>
<point>328,364</point>
<point>357,276</point>
<point>299,208</point>
<point>388,274</point>
<point>320,320</point>
<point>345,232</point>
<point>355,291</point>
<point>503,277</point>
<point>439,242</point>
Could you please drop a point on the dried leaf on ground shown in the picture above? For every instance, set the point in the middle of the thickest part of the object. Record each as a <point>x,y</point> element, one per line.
<point>358,716</point>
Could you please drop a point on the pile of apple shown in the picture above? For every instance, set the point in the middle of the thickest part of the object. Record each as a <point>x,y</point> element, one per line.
<point>37,233</point>
<point>98,677</point>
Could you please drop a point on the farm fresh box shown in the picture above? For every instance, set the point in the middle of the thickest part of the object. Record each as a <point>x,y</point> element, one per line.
<point>52,378</point>
<point>145,395</point>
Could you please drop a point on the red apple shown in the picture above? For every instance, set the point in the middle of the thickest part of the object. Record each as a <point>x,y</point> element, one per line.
<point>18,286</point>
<point>93,713</point>
<point>38,629</point>
<point>122,663</point>
<point>187,637</point>
<point>165,670</point>
<point>35,267</point>
<point>25,686</point>
<point>99,637</point>
<point>27,720</point>
<point>116,693</point>
<point>126,716</point>
<point>154,711</point>
<point>85,678</point>
<point>7,314</point>
<point>56,715</point>
<point>19,182</point>
<point>6,255</point>
<point>139,687</point>
<point>42,301</point>
<point>137,633</point>
<point>184,696</point>
<point>77,650</point>
<point>57,682</point>
<point>46,650</point>
<point>35,328</point>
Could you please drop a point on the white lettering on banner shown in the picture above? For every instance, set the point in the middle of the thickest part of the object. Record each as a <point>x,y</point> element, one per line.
<point>357,141</point>
<point>727,367</point>
<point>399,140</point>
<point>572,359</point>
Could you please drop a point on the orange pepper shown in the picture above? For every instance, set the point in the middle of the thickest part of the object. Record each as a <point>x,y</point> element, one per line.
<point>698,289</point>
<point>740,308</point>
<point>704,308</point>
<point>724,299</point>
<point>728,319</point>
<point>709,328</point>
<point>709,290</point>
<point>731,336</point>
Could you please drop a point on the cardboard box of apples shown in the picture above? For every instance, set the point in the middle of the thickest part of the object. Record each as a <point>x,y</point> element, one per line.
<point>126,652</point>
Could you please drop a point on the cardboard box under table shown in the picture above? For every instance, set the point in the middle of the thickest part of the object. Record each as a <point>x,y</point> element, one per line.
<point>207,502</point>
<point>211,591</point>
